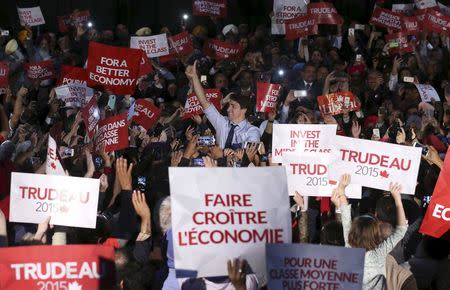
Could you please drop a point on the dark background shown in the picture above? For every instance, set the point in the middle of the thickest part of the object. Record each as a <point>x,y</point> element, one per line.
<point>157,13</point>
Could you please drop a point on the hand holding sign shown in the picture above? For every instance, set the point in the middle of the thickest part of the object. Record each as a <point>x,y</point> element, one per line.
<point>236,273</point>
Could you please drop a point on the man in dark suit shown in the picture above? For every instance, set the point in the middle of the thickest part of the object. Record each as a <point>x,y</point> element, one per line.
<point>309,89</point>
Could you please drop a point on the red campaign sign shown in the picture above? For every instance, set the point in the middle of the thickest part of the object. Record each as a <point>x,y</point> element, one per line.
<point>402,45</point>
<point>146,114</point>
<point>325,13</point>
<point>57,267</point>
<point>4,74</point>
<point>65,21</point>
<point>72,75</point>
<point>113,68</point>
<point>193,107</point>
<point>436,22</point>
<point>112,133</point>
<point>91,116</point>
<point>266,97</point>
<point>411,24</point>
<point>335,103</point>
<point>386,18</point>
<point>301,26</point>
<point>220,50</point>
<point>217,8</point>
<point>437,218</point>
<point>42,70</point>
<point>145,66</point>
<point>181,44</point>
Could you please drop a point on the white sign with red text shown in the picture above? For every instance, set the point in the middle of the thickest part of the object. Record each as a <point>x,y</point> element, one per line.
<point>286,9</point>
<point>154,46</point>
<point>53,163</point>
<point>308,175</point>
<point>74,95</point>
<point>70,201</point>
<point>30,16</point>
<point>222,213</point>
<point>376,164</point>
<point>301,138</point>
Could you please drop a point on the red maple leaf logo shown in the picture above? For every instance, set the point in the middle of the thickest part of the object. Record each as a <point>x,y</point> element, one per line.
<point>384,174</point>
<point>53,165</point>
<point>63,209</point>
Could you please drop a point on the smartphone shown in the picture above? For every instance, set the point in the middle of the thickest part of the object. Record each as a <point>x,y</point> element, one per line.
<point>429,46</point>
<point>426,201</point>
<point>203,79</point>
<point>5,32</point>
<point>249,144</point>
<point>408,79</point>
<point>98,162</point>
<point>112,102</point>
<point>300,93</point>
<point>206,141</point>
<point>359,114</point>
<point>359,27</point>
<point>198,162</point>
<point>66,152</point>
<point>393,44</point>
<point>358,57</point>
<point>142,183</point>
<point>376,132</point>
<point>264,157</point>
<point>351,31</point>
<point>424,148</point>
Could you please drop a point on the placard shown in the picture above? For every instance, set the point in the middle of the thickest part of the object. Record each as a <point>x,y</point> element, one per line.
<point>336,103</point>
<point>284,10</point>
<point>113,68</point>
<point>30,16</point>
<point>224,213</point>
<point>71,267</point>
<point>266,97</point>
<point>214,8</point>
<point>308,266</point>
<point>154,45</point>
<point>427,93</point>
<point>112,133</point>
<point>192,106</point>
<point>301,138</point>
<point>70,201</point>
<point>376,164</point>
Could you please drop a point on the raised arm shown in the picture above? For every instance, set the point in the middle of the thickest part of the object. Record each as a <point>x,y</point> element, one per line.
<point>191,73</point>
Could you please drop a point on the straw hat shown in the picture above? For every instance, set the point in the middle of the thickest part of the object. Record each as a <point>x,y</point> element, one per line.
<point>11,46</point>
<point>144,31</point>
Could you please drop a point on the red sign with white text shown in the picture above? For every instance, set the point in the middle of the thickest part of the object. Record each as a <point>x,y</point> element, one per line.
<point>386,18</point>
<point>91,116</point>
<point>220,50</point>
<point>145,66</point>
<point>146,114</point>
<point>266,97</point>
<point>402,45</point>
<point>411,24</point>
<point>112,133</point>
<point>72,75</point>
<point>72,267</point>
<point>4,74</point>
<point>65,21</point>
<point>193,107</point>
<point>181,44</point>
<point>336,103</point>
<point>436,22</point>
<point>301,26</point>
<point>215,8</point>
<point>113,68</point>
<point>42,70</point>
<point>325,13</point>
<point>437,218</point>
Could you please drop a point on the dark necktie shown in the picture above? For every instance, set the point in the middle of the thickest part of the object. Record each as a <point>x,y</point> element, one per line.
<point>230,136</point>
<point>308,86</point>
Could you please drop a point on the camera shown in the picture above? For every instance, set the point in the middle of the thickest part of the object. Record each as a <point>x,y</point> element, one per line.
<point>206,141</point>
<point>198,162</point>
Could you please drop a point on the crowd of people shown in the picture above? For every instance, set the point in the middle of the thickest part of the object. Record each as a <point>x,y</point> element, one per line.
<point>134,212</point>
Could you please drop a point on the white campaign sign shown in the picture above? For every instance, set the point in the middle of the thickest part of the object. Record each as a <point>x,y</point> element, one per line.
<point>301,138</point>
<point>286,9</point>
<point>74,95</point>
<point>53,163</point>
<point>30,16</point>
<point>70,201</point>
<point>154,46</point>
<point>308,175</point>
<point>376,164</point>
<point>222,213</point>
<point>428,93</point>
<point>407,8</point>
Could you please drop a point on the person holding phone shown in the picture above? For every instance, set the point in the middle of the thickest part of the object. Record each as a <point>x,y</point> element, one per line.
<point>233,129</point>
